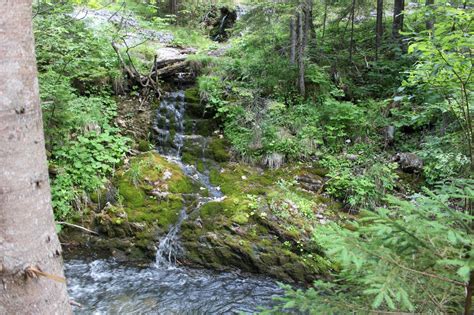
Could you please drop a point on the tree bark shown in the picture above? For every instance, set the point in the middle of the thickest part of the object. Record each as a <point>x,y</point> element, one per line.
<point>293,41</point>
<point>430,21</point>
<point>31,270</point>
<point>398,7</point>
<point>469,292</point>
<point>174,7</point>
<point>351,46</point>
<point>309,30</point>
<point>325,19</point>
<point>301,49</point>
<point>378,28</point>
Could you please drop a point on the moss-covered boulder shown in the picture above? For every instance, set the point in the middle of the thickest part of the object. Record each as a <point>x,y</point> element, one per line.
<point>264,225</point>
<point>194,107</point>
<point>150,193</point>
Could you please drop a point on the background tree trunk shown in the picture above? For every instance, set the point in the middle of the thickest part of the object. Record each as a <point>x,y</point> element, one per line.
<point>378,28</point>
<point>174,7</point>
<point>301,48</point>
<point>325,17</point>
<point>351,46</point>
<point>30,253</point>
<point>430,21</point>
<point>293,41</point>
<point>398,7</point>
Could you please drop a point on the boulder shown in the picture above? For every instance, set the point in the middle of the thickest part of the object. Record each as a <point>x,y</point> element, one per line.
<point>409,162</point>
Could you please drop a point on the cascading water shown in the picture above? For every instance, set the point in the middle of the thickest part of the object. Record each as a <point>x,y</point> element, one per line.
<point>170,131</point>
<point>169,125</point>
<point>109,287</point>
<point>169,248</point>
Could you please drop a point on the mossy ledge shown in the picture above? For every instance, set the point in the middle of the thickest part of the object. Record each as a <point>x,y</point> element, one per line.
<point>253,230</point>
<point>148,196</point>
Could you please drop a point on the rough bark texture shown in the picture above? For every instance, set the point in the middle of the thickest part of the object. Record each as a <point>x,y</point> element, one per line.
<point>293,41</point>
<point>174,7</point>
<point>301,49</point>
<point>378,28</point>
<point>398,7</point>
<point>30,253</point>
<point>430,21</point>
<point>325,17</point>
<point>351,47</point>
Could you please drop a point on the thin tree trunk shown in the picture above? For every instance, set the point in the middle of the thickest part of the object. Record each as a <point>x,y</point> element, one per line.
<point>301,48</point>
<point>324,20</point>
<point>469,292</point>
<point>398,7</point>
<point>378,28</point>
<point>173,7</point>
<point>430,21</point>
<point>31,270</point>
<point>351,47</point>
<point>293,41</point>
<point>309,30</point>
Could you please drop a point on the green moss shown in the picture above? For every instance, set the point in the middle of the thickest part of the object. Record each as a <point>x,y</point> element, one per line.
<point>218,150</point>
<point>133,197</point>
<point>191,95</point>
<point>188,158</point>
<point>200,166</point>
<point>211,209</point>
<point>240,218</point>
<point>144,145</point>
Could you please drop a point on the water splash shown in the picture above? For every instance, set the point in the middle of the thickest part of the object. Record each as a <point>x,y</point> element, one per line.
<point>169,248</point>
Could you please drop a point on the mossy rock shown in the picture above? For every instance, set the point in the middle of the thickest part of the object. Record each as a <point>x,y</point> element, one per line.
<point>191,95</point>
<point>218,150</point>
<point>200,126</point>
<point>133,197</point>
<point>149,173</point>
<point>144,145</point>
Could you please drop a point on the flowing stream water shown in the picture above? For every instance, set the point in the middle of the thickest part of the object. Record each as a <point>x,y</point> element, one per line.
<point>110,287</point>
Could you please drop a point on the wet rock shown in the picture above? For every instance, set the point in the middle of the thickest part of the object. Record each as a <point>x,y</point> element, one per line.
<point>409,162</point>
<point>221,26</point>
<point>310,182</point>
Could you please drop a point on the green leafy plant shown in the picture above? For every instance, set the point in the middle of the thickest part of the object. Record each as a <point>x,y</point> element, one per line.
<point>412,256</point>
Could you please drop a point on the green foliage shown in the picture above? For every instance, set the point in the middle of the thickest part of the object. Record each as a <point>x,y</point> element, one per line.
<point>443,75</point>
<point>76,68</point>
<point>413,256</point>
<point>357,184</point>
<point>285,201</point>
<point>89,158</point>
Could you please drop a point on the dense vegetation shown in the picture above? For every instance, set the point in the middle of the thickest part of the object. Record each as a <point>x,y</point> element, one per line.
<point>355,95</point>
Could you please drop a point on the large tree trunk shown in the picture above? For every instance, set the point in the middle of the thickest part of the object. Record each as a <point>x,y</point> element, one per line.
<point>30,254</point>
<point>378,28</point>
<point>398,7</point>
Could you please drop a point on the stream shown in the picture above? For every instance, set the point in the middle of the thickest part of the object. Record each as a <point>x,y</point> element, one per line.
<point>106,286</point>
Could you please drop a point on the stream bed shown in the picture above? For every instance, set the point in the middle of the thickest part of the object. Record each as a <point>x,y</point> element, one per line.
<point>105,286</point>
<point>109,287</point>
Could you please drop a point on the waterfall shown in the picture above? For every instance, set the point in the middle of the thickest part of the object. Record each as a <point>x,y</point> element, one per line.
<point>170,134</point>
<point>169,125</point>
<point>169,247</point>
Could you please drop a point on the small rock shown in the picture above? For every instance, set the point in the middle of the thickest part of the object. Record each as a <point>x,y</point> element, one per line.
<point>310,182</point>
<point>352,157</point>
<point>409,162</point>
<point>167,175</point>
